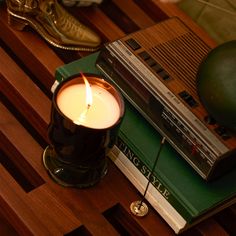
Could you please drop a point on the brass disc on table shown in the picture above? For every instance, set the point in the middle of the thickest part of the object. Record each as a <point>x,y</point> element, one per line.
<point>139,208</point>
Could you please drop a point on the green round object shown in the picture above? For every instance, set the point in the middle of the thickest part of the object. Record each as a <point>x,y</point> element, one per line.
<point>216,84</point>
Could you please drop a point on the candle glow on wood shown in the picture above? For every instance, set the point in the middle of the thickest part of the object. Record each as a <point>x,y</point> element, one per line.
<point>89,105</point>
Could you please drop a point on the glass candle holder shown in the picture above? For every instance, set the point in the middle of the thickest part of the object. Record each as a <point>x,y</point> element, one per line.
<point>81,134</point>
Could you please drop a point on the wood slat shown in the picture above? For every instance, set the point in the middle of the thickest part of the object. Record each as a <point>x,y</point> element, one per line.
<point>210,227</point>
<point>227,219</point>
<point>118,16</point>
<point>45,216</point>
<point>33,156</point>
<point>113,197</point>
<point>140,17</point>
<point>5,227</point>
<point>21,91</point>
<point>105,27</point>
<point>10,132</point>
<point>33,52</point>
<point>15,207</point>
<point>84,203</point>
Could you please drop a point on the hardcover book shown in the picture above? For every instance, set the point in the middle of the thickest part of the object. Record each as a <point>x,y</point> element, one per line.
<point>176,191</point>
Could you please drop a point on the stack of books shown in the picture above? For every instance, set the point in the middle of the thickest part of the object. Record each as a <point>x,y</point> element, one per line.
<point>176,191</point>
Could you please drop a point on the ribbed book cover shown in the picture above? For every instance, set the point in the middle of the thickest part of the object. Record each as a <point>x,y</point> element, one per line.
<point>178,194</point>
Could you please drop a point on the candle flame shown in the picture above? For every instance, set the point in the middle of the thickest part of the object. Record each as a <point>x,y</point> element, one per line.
<point>89,97</point>
<point>89,101</point>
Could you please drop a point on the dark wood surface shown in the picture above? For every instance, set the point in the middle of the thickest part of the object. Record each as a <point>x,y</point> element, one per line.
<point>30,202</point>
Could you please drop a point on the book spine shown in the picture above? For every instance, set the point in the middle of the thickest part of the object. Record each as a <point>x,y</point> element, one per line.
<point>153,196</point>
<point>154,178</point>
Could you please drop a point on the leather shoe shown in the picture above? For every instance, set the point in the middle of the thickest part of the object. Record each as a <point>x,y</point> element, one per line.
<point>53,23</point>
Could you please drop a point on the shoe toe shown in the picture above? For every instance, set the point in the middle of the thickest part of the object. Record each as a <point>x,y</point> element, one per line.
<point>90,38</point>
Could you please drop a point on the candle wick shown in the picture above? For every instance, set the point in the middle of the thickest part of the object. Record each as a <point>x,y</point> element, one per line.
<point>82,116</point>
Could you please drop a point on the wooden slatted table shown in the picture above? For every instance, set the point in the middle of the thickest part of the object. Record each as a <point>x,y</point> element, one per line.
<point>30,202</point>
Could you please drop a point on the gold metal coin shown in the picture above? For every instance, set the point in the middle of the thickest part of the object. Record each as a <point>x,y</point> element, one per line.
<point>139,208</point>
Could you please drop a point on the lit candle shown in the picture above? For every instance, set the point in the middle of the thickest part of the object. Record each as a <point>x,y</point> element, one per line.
<point>85,118</point>
<point>102,113</point>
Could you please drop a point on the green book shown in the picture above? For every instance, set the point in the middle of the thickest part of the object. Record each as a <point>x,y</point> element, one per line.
<point>178,194</point>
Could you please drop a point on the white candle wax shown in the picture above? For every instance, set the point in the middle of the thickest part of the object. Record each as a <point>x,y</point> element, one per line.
<point>103,113</point>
